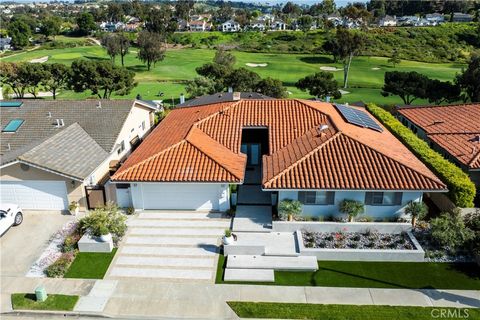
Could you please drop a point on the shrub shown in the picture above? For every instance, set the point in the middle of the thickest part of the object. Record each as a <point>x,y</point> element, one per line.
<point>449,230</point>
<point>472,221</point>
<point>60,267</point>
<point>289,208</point>
<point>70,242</point>
<point>105,220</point>
<point>351,208</point>
<point>461,188</point>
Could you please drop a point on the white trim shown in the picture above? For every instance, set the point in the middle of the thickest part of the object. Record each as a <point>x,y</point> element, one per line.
<point>51,171</point>
<point>356,190</point>
<point>8,164</point>
<point>144,104</point>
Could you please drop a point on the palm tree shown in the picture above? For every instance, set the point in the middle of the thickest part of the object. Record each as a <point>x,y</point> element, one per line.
<point>417,210</point>
<point>352,208</point>
<point>289,209</point>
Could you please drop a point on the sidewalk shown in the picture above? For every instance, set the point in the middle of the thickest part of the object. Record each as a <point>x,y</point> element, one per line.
<point>150,298</point>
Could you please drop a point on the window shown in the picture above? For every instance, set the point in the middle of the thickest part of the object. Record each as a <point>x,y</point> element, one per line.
<point>121,148</point>
<point>316,197</point>
<point>383,198</point>
<point>13,125</point>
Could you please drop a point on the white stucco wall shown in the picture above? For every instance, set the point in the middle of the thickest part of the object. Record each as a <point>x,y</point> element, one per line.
<point>377,212</point>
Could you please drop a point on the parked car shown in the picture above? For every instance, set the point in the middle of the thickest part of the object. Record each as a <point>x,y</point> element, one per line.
<point>10,215</point>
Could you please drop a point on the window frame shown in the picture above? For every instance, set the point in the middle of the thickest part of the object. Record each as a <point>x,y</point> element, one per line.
<point>329,198</point>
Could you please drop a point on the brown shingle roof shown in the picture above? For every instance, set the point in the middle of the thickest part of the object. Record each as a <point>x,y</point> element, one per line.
<point>202,144</point>
<point>455,128</point>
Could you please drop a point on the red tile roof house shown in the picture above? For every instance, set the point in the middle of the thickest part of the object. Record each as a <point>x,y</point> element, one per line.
<point>300,149</point>
<point>453,130</point>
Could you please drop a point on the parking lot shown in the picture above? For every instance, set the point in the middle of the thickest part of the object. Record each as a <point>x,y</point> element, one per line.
<point>22,245</point>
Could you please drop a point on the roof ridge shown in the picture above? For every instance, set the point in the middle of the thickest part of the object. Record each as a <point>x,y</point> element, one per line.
<point>296,163</point>
<point>196,123</point>
<point>393,159</point>
<point>474,159</point>
<point>436,106</point>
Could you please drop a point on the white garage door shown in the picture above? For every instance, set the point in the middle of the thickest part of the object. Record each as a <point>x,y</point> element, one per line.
<point>181,196</point>
<point>35,195</point>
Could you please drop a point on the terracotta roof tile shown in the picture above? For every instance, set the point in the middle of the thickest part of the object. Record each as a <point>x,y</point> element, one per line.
<point>455,128</point>
<point>202,144</point>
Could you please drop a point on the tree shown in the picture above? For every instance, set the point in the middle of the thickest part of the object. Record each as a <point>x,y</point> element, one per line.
<point>224,58</point>
<point>100,77</point>
<point>289,209</point>
<point>124,45</point>
<point>114,12</point>
<point>291,9</point>
<point>57,77</point>
<point>85,23</point>
<point>271,87</point>
<point>344,46</point>
<point>14,78</point>
<point>183,9</point>
<point>320,85</point>
<point>215,72</point>
<point>34,74</point>
<point>442,91</point>
<point>417,210</point>
<point>151,48</point>
<point>20,33</point>
<point>223,13</point>
<point>469,80</point>
<point>111,44</point>
<point>326,7</point>
<point>161,21</point>
<point>242,79</point>
<point>395,58</point>
<point>305,23</point>
<point>351,208</point>
<point>409,86</point>
<point>51,26</point>
<point>200,86</point>
<point>449,230</point>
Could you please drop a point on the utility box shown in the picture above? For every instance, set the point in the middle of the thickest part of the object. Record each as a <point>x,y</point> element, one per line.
<point>41,293</point>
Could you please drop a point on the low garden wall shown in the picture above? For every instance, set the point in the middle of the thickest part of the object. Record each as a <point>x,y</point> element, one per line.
<point>415,255</point>
<point>314,226</point>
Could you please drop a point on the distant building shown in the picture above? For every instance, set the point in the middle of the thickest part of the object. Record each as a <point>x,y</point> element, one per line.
<point>388,21</point>
<point>230,26</point>
<point>435,18</point>
<point>112,26</point>
<point>199,25</point>
<point>278,25</point>
<point>462,17</point>
<point>258,25</point>
<point>5,43</point>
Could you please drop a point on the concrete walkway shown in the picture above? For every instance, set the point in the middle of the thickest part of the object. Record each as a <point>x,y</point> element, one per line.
<point>150,298</point>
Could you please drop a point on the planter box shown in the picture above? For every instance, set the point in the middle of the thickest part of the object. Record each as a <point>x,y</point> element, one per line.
<point>314,226</point>
<point>93,244</point>
<point>415,255</point>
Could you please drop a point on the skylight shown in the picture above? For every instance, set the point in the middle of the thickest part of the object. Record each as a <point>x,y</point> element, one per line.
<point>13,125</point>
<point>11,104</point>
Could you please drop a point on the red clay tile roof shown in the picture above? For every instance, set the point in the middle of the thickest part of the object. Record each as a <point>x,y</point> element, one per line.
<point>202,144</point>
<point>455,128</point>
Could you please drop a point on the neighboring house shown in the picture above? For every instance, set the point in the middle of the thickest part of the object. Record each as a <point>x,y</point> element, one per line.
<point>435,18</point>
<point>462,17</point>
<point>5,43</point>
<point>388,21</point>
<point>259,25</point>
<point>288,149</point>
<point>56,152</point>
<point>453,130</point>
<point>408,21</point>
<point>230,26</point>
<point>198,25</point>
<point>222,97</point>
<point>112,26</point>
<point>278,25</point>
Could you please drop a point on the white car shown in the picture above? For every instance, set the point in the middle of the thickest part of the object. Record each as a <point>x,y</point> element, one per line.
<point>10,215</point>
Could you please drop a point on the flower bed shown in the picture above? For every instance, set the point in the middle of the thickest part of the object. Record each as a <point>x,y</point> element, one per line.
<point>357,240</point>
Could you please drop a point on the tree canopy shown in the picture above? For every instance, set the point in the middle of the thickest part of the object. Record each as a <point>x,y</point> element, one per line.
<point>85,23</point>
<point>409,86</point>
<point>151,48</point>
<point>320,85</point>
<point>469,80</point>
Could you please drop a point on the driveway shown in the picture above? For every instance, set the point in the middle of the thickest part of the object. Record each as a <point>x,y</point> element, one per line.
<point>22,245</point>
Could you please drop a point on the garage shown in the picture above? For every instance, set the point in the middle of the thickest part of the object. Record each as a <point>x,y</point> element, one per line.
<point>201,197</point>
<point>35,195</point>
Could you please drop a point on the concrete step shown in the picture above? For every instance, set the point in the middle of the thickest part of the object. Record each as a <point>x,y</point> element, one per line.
<point>187,274</point>
<point>179,223</point>
<point>205,262</point>
<point>251,275</point>
<point>167,240</point>
<point>253,219</point>
<point>177,231</point>
<point>301,263</point>
<point>179,215</point>
<point>206,251</point>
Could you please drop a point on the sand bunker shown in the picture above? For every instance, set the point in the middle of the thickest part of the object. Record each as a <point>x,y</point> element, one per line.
<point>344,92</point>
<point>40,60</point>
<point>375,68</point>
<point>324,68</point>
<point>254,65</point>
<point>289,92</point>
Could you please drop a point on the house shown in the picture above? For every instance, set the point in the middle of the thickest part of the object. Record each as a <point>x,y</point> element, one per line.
<point>56,152</point>
<point>182,25</point>
<point>112,26</point>
<point>198,25</point>
<point>461,17</point>
<point>5,43</point>
<point>221,97</point>
<point>388,21</point>
<point>435,18</point>
<point>258,25</point>
<point>230,26</point>
<point>316,152</point>
<point>278,25</point>
<point>408,21</point>
<point>453,130</point>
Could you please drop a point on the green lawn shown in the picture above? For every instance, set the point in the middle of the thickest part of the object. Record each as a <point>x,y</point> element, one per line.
<point>90,265</point>
<point>412,275</point>
<point>59,302</point>
<point>179,64</point>
<point>344,312</point>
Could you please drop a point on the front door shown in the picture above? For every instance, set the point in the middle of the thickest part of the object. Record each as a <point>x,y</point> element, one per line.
<point>253,152</point>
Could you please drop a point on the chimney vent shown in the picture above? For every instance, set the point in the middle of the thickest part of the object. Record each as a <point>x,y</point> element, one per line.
<point>182,98</point>
<point>99,105</point>
<point>49,114</point>
<point>322,128</point>
<point>236,96</point>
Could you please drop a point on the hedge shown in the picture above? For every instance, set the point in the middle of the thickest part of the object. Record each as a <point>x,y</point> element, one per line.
<point>461,188</point>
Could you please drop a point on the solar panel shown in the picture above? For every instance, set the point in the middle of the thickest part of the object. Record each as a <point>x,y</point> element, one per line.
<point>14,104</point>
<point>358,117</point>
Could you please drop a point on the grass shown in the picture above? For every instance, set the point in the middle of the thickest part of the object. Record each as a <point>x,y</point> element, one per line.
<point>90,265</point>
<point>359,274</point>
<point>180,65</point>
<point>59,302</point>
<point>345,312</point>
